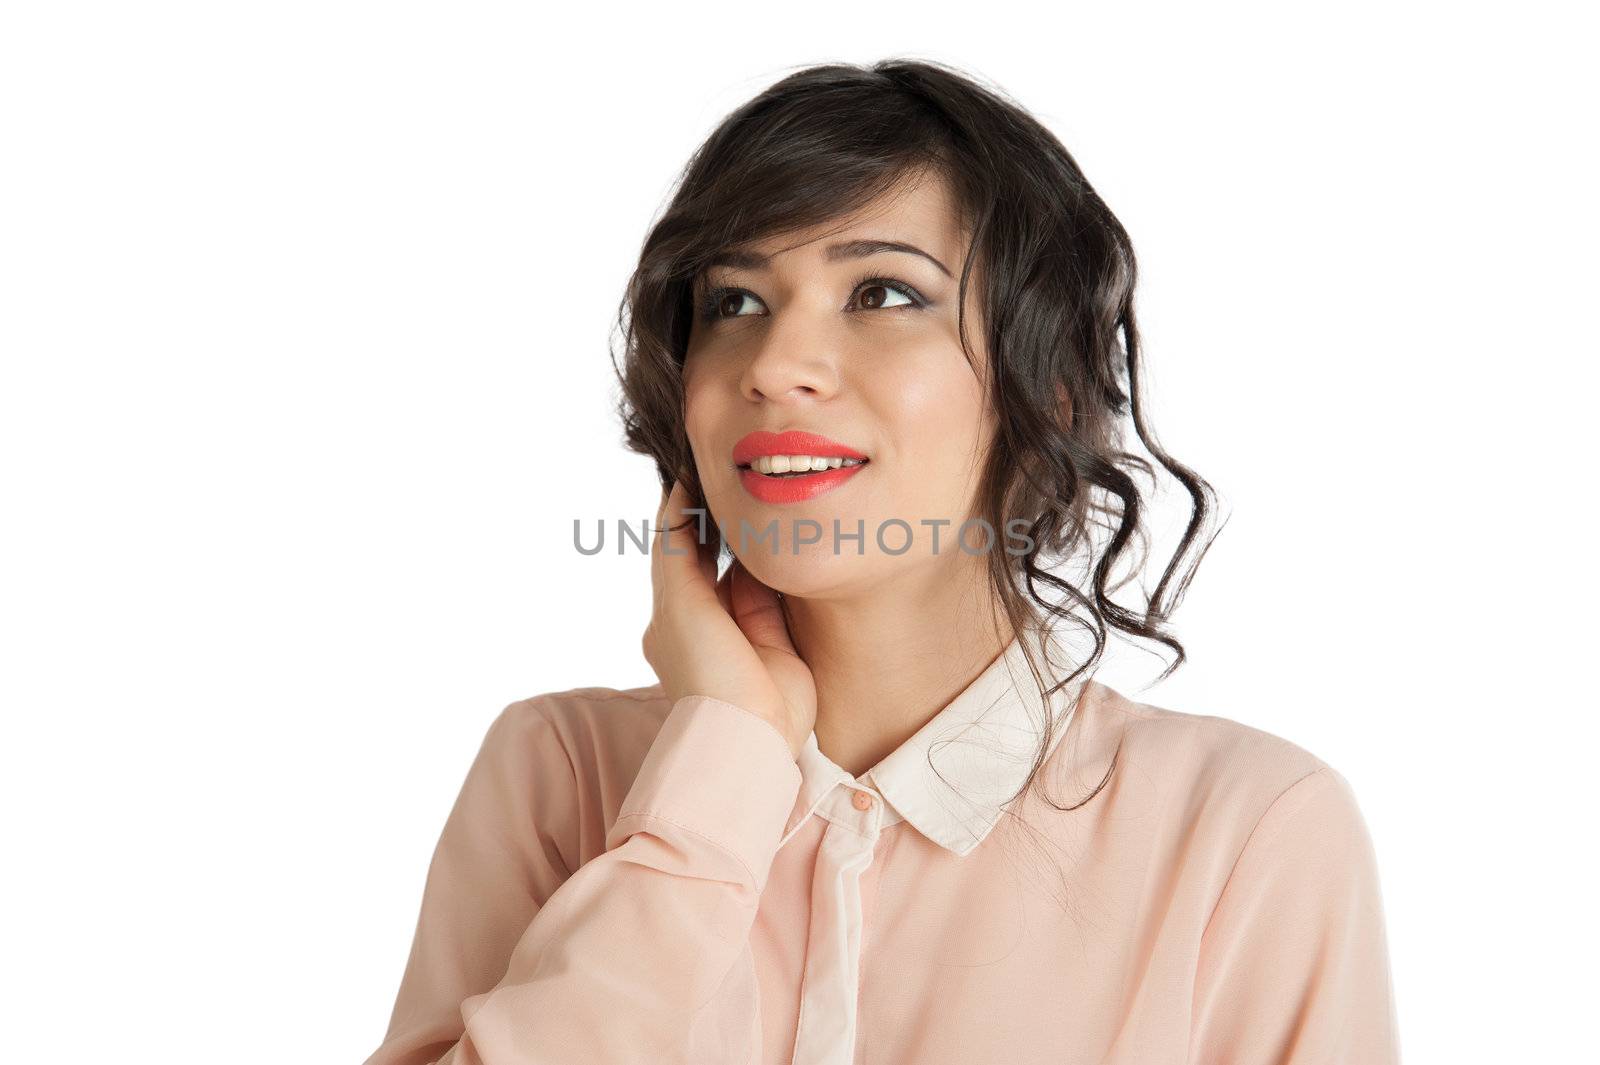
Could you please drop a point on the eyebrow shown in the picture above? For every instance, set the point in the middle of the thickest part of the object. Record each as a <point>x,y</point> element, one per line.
<point>850,249</point>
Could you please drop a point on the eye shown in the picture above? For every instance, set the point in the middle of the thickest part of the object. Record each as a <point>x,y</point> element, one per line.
<point>724,303</point>
<point>867,293</point>
<point>876,293</point>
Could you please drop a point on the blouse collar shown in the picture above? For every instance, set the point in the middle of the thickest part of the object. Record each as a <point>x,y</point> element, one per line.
<point>983,744</point>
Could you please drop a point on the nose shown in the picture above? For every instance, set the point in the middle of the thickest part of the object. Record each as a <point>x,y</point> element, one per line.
<point>793,359</point>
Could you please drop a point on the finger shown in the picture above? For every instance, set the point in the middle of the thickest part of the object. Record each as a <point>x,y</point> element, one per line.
<point>699,535</point>
<point>657,570</point>
<point>759,613</point>
<point>725,587</point>
<point>684,567</point>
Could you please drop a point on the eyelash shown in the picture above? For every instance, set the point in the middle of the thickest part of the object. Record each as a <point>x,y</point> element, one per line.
<point>709,302</point>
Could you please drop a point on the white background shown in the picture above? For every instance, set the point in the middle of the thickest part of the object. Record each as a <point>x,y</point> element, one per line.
<point>305,314</point>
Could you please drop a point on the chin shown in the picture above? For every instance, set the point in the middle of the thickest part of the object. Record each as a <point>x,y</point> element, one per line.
<point>815,573</point>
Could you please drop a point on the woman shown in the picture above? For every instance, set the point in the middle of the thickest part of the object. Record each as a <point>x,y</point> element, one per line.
<point>880,346</point>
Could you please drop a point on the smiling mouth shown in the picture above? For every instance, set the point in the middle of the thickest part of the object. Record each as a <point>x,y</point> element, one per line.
<point>779,467</point>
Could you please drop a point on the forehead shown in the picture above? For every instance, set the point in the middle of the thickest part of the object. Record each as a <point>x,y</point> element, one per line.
<point>920,211</point>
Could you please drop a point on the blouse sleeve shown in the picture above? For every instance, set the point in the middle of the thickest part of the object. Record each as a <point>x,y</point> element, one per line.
<point>642,953</point>
<point>1294,965</point>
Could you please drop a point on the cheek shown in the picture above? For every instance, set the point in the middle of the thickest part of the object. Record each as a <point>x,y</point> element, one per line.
<point>704,409</point>
<point>694,397</point>
<point>935,405</point>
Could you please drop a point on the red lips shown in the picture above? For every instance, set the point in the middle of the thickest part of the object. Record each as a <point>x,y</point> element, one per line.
<point>793,442</point>
<point>799,488</point>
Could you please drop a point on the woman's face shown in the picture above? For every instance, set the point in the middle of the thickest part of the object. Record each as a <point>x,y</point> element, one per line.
<point>828,334</point>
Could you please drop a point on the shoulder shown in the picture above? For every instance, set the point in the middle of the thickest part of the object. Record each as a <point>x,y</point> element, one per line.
<point>589,723</point>
<point>570,756</point>
<point>1217,754</point>
<point>1206,776</point>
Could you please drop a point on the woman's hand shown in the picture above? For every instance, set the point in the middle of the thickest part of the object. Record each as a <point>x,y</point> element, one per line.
<point>726,638</point>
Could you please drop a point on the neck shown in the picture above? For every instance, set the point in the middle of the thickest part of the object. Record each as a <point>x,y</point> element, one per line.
<point>886,662</point>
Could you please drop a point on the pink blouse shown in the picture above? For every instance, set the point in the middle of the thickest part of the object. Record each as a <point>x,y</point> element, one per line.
<point>624,880</point>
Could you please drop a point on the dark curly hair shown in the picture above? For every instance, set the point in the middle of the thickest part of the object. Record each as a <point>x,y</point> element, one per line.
<point>1057,272</point>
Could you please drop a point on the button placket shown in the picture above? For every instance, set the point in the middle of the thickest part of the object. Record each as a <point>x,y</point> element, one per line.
<point>826,1031</point>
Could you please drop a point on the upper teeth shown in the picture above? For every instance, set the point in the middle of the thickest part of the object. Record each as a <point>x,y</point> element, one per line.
<point>799,463</point>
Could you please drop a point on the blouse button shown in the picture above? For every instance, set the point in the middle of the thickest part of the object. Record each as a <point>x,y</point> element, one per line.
<point>862,801</point>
